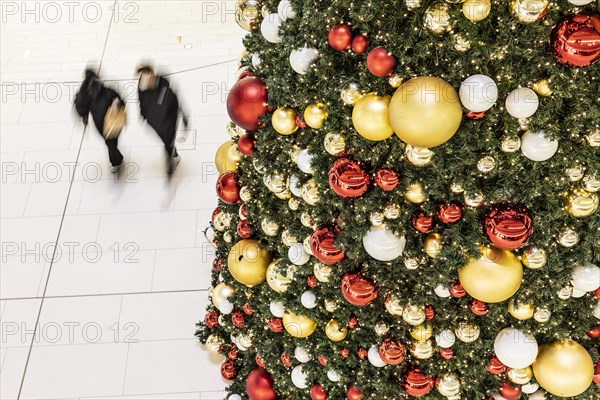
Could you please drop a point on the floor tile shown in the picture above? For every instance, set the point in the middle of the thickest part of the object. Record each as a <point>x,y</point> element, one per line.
<point>22,278</point>
<point>18,322</point>
<point>12,371</point>
<point>13,199</point>
<point>28,236</point>
<point>182,269</point>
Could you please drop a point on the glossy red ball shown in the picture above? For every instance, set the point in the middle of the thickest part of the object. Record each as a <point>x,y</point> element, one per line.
<point>380,62</point>
<point>476,116</point>
<point>509,392</point>
<point>422,222</point>
<point>345,353</point>
<point>259,385</point>
<point>259,361</point>
<point>495,366</point>
<point>450,213</point>
<point>354,393</point>
<point>362,353</point>
<point>275,324</point>
<point>246,144</point>
<point>286,359</point>
<point>352,322</point>
<point>358,289</point>
<point>211,320</point>
<point>508,226</point>
<point>447,354</point>
<point>457,290</point>
<point>228,188</point>
<point>348,179</point>
<point>244,229</point>
<point>594,333</point>
<point>218,264</point>
<point>233,353</point>
<point>300,122</point>
<point>238,319</point>
<point>228,370</point>
<point>417,383</point>
<point>479,308</point>
<point>429,312</point>
<point>323,360</point>
<point>360,43</point>
<point>392,351</point>
<point>248,309</point>
<point>318,393</point>
<point>387,179</point>
<point>322,244</point>
<point>247,102</point>
<point>340,37</point>
<point>312,281</point>
<point>575,40</point>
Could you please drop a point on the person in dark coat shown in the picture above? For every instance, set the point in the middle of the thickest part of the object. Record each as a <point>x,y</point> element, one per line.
<point>95,98</point>
<point>159,106</point>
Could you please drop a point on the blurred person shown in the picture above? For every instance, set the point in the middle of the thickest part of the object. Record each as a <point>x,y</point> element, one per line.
<point>108,112</point>
<point>160,107</point>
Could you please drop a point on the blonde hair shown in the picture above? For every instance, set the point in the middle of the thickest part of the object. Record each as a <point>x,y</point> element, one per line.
<point>115,120</point>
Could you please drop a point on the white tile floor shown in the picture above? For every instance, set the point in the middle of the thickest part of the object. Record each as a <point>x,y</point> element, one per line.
<point>115,304</point>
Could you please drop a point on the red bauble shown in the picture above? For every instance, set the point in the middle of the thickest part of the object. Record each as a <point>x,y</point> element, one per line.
<point>246,144</point>
<point>211,320</point>
<point>312,281</point>
<point>360,44</point>
<point>353,322</point>
<point>362,353</point>
<point>247,102</point>
<point>380,62</point>
<point>243,213</point>
<point>354,393</point>
<point>457,290</point>
<point>259,361</point>
<point>228,370</point>
<point>323,360</point>
<point>594,333</point>
<point>575,40</point>
<point>233,353</point>
<point>318,393</point>
<point>422,222</point>
<point>248,309</point>
<point>244,230</point>
<point>345,353</point>
<point>216,212</point>
<point>387,179</point>
<point>450,213</point>
<point>286,359</point>
<point>508,226</point>
<point>510,392</point>
<point>596,378</point>
<point>228,188</point>
<point>322,244</point>
<point>244,74</point>
<point>340,37</point>
<point>301,122</point>
<point>479,308</point>
<point>476,116</point>
<point>218,264</point>
<point>348,179</point>
<point>447,354</point>
<point>238,319</point>
<point>429,312</point>
<point>495,366</point>
<point>417,383</point>
<point>259,385</point>
<point>392,351</point>
<point>597,293</point>
<point>358,289</point>
<point>275,324</point>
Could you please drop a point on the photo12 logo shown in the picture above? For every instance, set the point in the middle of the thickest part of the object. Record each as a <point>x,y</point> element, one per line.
<point>68,11</point>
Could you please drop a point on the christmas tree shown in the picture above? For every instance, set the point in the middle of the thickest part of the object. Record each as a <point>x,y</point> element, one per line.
<point>408,205</point>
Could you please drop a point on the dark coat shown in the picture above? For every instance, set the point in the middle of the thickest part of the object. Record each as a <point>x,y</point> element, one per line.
<point>95,98</point>
<point>160,107</point>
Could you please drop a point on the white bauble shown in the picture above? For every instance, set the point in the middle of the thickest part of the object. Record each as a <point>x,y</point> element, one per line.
<point>302,355</point>
<point>308,299</point>
<point>442,291</point>
<point>576,293</point>
<point>277,309</point>
<point>294,185</point>
<point>301,59</point>
<point>256,61</point>
<point>270,28</point>
<point>530,388</point>
<point>596,311</point>
<point>522,103</point>
<point>226,307</point>
<point>297,254</point>
<point>375,358</point>
<point>299,378</point>
<point>586,278</point>
<point>515,348</point>
<point>536,147</point>
<point>445,338</point>
<point>381,243</point>
<point>285,10</point>
<point>580,2</point>
<point>497,396</point>
<point>478,93</point>
<point>539,395</point>
<point>333,376</point>
<point>304,160</point>
<point>234,397</point>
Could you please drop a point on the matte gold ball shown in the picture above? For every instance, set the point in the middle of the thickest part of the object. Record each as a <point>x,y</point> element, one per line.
<point>542,87</point>
<point>284,120</point>
<point>521,311</point>
<point>277,278</point>
<point>221,292</point>
<point>228,157</point>
<point>298,325</point>
<point>335,331</point>
<point>248,261</point>
<point>581,203</point>
<point>434,244</point>
<point>371,117</point>
<point>315,115</point>
<point>476,10</point>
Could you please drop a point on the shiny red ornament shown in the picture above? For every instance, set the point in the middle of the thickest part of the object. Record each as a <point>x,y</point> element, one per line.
<point>457,290</point>
<point>476,116</point>
<point>392,351</point>
<point>238,319</point>
<point>323,360</point>
<point>360,44</point>
<point>286,359</point>
<point>353,322</point>
<point>340,37</point>
<point>233,353</point>
<point>358,289</point>
<point>381,62</point>
<point>248,309</point>
<point>246,144</point>
<point>318,393</point>
<point>211,320</point>
<point>348,179</point>
<point>596,378</point>
<point>218,264</point>
<point>259,361</point>
<point>429,312</point>
<point>509,392</point>
<point>301,122</point>
<point>594,333</point>
<point>575,40</point>
<point>447,354</point>
<point>275,324</point>
<point>312,281</point>
<point>422,222</point>
<point>244,229</point>
<point>247,102</point>
<point>216,212</point>
<point>362,353</point>
<point>243,212</point>
<point>450,213</point>
<point>259,385</point>
<point>597,293</point>
<point>417,383</point>
<point>387,179</point>
<point>228,370</point>
<point>228,188</point>
<point>479,308</point>
<point>322,244</point>
<point>495,366</point>
<point>345,353</point>
<point>354,393</point>
<point>245,74</point>
<point>508,226</point>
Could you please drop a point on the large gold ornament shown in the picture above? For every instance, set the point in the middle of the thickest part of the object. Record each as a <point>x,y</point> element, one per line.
<point>221,292</point>
<point>284,120</point>
<point>425,111</point>
<point>521,311</point>
<point>228,157</point>
<point>248,261</point>
<point>277,276</point>
<point>415,193</point>
<point>371,117</point>
<point>437,18</point>
<point>563,368</point>
<point>433,245</point>
<point>335,331</point>
<point>476,10</point>
<point>246,12</point>
<point>494,277</point>
<point>529,11</point>
<point>581,203</point>
<point>298,325</point>
<point>315,115</point>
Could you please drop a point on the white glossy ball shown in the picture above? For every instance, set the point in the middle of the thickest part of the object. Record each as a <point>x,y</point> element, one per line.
<point>375,358</point>
<point>522,103</point>
<point>297,254</point>
<point>536,147</point>
<point>478,93</point>
<point>302,355</point>
<point>382,244</point>
<point>596,311</point>
<point>234,397</point>
<point>256,61</point>
<point>530,388</point>
<point>285,10</point>
<point>497,396</point>
<point>515,348</point>
<point>301,59</point>
<point>442,291</point>
<point>304,162</point>
<point>270,28</point>
<point>445,338</point>
<point>539,395</point>
<point>580,2</point>
<point>333,376</point>
<point>277,309</point>
<point>226,307</point>
<point>586,277</point>
<point>299,378</point>
<point>308,299</point>
<point>576,293</point>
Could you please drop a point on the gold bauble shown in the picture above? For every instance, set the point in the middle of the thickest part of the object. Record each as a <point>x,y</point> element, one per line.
<point>214,343</point>
<point>581,203</point>
<point>315,115</point>
<point>284,195</point>
<point>330,305</point>
<point>448,384</point>
<point>534,257</point>
<point>248,261</point>
<point>334,143</point>
<point>418,156</point>
<point>565,293</point>
<point>433,245</point>
<point>563,368</point>
<point>222,221</point>
<point>474,199</point>
<point>335,331</point>
<point>284,120</point>
<point>415,193</point>
<point>529,11</point>
<point>568,237</point>
<point>437,18</point>
<point>461,43</point>
<point>288,239</point>
<point>307,246</point>
<point>228,157</point>
<point>298,325</point>
<point>371,117</point>
<point>521,311</point>
<point>542,315</point>
<point>246,12</point>
<point>376,218</point>
<point>233,130</point>
<point>422,332</point>
<point>520,376</point>
<point>351,94</point>
<point>310,192</point>
<point>591,183</point>
<point>306,220</point>
<point>395,81</point>
<point>277,276</point>
<point>411,263</point>
<point>269,227</point>
<point>423,350</point>
<point>381,328</point>
<point>542,87</point>
<point>221,292</point>
<point>245,194</point>
<point>414,315</point>
<point>294,204</point>
<point>486,164</point>
<point>476,10</point>
<point>425,111</point>
<point>392,211</point>
<point>467,332</point>
<point>593,138</point>
<point>412,4</point>
<point>492,278</point>
<point>510,144</point>
<point>393,304</point>
<point>275,182</point>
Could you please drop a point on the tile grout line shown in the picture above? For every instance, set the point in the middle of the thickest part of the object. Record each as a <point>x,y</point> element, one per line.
<point>72,296</point>
<point>39,314</point>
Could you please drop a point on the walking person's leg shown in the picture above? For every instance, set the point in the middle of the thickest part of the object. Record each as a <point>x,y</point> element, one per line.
<point>114,155</point>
